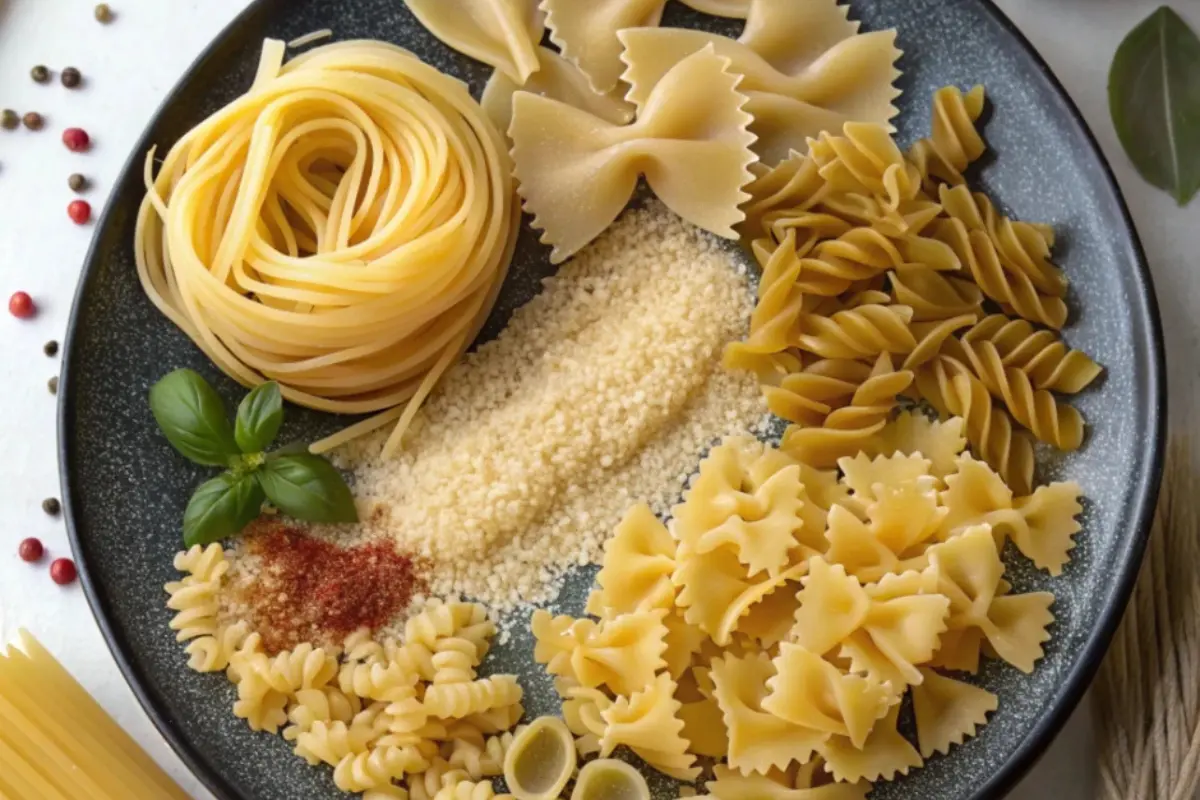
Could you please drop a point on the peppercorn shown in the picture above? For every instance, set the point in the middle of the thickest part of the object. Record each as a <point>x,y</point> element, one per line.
<point>76,140</point>
<point>62,571</point>
<point>31,550</point>
<point>52,385</point>
<point>51,506</point>
<point>50,348</point>
<point>71,78</point>
<point>77,182</point>
<point>33,120</point>
<point>10,119</point>
<point>104,14</point>
<point>40,73</point>
<point>21,306</point>
<point>80,211</point>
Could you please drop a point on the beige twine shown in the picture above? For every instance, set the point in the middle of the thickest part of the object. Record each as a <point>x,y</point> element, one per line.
<point>1147,694</point>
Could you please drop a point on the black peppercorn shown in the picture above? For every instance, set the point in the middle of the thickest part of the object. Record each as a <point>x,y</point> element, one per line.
<point>10,119</point>
<point>50,348</point>
<point>77,182</point>
<point>33,120</point>
<point>51,506</point>
<point>40,73</point>
<point>52,385</point>
<point>71,78</point>
<point>104,14</point>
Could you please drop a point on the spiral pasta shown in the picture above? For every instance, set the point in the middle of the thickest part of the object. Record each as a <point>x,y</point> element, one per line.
<point>955,142</point>
<point>1040,354</point>
<point>280,238</point>
<point>458,700</point>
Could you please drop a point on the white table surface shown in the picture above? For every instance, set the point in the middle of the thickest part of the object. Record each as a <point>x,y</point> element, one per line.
<point>130,65</point>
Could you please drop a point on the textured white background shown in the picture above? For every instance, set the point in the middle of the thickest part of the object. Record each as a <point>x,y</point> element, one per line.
<point>131,64</point>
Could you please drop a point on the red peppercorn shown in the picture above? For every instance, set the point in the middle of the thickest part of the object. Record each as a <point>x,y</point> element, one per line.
<point>76,139</point>
<point>80,211</point>
<point>31,550</point>
<point>62,571</point>
<point>21,306</point>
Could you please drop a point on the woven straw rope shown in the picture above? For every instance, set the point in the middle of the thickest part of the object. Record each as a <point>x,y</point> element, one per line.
<point>1147,694</point>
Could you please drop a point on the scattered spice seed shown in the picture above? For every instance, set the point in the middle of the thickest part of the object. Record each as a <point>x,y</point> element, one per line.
<point>21,305</point>
<point>40,73</point>
<point>33,120</point>
<point>71,78</point>
<point>52,385</point>
<point>50,348</point>
<point>104,14</point>
<point>51,506</point>
<point>76,140</point>
<point>10,119</point>
<point>31,549</point>
<point>62,571</point>
<point>77,182</point>
<point>80,211</point>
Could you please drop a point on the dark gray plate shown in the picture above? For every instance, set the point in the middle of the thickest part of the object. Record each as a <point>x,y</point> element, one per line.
<point>124,490</point>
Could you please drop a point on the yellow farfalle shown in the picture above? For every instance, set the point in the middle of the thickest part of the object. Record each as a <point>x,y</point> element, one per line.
<point>813,693</point>
<point>948,711</point>
<point>648,722</point>
<point>884,753</point>
<point>638,562</point>
<point>913,433</point>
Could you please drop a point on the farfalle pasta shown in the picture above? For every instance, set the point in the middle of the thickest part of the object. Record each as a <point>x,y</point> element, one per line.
<point>577,172</point>
<point>802,76</point>
<point>501,33</point>
<point>803,605</point>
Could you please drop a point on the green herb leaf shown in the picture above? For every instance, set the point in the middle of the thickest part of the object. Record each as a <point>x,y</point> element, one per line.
<point>259,417</point>
<point>192,417</point>
<point>1154,99</point>
<point>220,508</point>
<point>309,488</point>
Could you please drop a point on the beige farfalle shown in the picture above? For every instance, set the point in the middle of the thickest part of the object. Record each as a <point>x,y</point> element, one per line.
<point>622,653</point>
<point>948,711</point>
<point>586,33</point>
<point>809,80</point>
<point>690,141</point>
<point>901,524</point>
<point>810,691</point>
<point>502,33</point>
<point>558,79</point>
<point>638,563</point>
<point>969,573</point>
<point>914,433</point>
<point>1042,525</point>
<point>715,592</point>
<point>758,740</point>
<point>648,722</point>
<point>885,753</point>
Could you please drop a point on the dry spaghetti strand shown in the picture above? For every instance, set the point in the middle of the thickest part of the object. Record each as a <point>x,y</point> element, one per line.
<point>1147,700</point>
<point>342,228</point>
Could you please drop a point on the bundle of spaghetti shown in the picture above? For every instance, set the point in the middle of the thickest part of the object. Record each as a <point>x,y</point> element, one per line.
<point>57,743</point>
<point>343,228</point>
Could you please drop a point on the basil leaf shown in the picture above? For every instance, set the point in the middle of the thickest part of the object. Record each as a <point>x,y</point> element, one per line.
<point>1154,99</point>
<point>220,508</point>
<point>307,487</point>
<point>259,417</point>
<point>192,417</point>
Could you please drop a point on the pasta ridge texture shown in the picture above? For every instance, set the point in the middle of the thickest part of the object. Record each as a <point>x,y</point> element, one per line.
<point>577,172</point>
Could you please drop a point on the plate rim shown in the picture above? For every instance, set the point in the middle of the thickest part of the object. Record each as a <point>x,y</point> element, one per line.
<point>1072,686</point>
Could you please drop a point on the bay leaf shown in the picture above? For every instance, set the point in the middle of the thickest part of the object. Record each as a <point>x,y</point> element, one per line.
<point>1154,99</point>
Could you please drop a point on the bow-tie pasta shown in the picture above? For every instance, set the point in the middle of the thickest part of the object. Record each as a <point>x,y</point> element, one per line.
<point>577,171</point>
<point>502,33</point>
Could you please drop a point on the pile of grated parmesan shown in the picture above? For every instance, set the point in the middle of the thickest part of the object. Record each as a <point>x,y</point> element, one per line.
<point>603,390</point>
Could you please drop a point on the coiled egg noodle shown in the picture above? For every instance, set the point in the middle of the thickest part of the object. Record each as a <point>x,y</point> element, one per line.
<point>342,228</point>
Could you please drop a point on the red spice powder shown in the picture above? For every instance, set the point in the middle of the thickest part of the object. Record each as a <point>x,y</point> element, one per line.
<point>312,590</point>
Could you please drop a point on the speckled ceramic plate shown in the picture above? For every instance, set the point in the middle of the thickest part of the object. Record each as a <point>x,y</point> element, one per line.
<point>125,491</point>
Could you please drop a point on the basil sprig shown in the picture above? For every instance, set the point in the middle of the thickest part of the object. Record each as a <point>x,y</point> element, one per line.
<point>192,417</point>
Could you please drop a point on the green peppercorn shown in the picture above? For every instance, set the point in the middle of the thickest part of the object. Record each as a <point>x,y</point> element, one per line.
<point>77,182</point>
<point>33,120</point>
<point>71,78</point>
<point>10,119</point>
<point>50,348</point>
<point>104,14</point>
<point>52,385</point>
<point>40,73</point>
<point>51,506</point>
